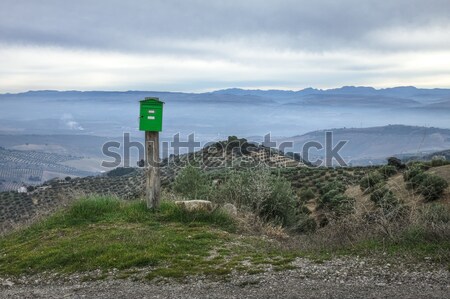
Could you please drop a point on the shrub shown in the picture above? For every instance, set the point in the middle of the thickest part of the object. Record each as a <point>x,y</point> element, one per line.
<point>305,224</point>
<point>280,204</point>
<point>327,198</point>
<point>334,185</point>
<point>192,183</point>
<point>270,197</point>
<point>383,197</point>
<point>418,164</point>
<point>336,202</point>
<point>431,186</point>
<point>368,182</point>
<point>412,172</point>
<point>438,161</point>
<point>413,177</point>
<point>306,195</point>
<point>387,171</point>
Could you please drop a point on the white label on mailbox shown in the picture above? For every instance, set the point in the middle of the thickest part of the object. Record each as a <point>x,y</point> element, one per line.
<point>150,117</point>
<point>151,111</point>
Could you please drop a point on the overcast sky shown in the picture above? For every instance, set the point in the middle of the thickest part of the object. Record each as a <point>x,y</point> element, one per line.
<point>207,45</point>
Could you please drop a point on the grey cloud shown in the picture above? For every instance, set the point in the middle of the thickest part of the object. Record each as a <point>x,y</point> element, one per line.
<point>169,26</point>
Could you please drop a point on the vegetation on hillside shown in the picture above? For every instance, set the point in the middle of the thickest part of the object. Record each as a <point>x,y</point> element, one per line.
<point>299,212</point>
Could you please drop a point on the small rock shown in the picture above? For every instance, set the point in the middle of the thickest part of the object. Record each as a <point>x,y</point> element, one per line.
<point>8,283</point>
<point>195,205</point>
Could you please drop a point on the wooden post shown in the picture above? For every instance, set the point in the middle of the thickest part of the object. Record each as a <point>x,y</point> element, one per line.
<point>153,185</point>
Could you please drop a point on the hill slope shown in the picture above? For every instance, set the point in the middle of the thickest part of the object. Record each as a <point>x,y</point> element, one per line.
<point>373,145</point>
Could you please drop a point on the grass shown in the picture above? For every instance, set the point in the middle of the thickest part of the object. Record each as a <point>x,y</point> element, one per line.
<point>105,233</point>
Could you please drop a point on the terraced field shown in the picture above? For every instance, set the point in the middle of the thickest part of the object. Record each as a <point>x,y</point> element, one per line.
<point>18,168</point>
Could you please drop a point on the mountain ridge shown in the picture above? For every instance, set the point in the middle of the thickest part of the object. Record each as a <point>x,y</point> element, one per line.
<point>244,91</point>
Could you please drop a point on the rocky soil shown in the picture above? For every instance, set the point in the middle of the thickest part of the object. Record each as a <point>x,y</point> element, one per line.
<point>350,277</point>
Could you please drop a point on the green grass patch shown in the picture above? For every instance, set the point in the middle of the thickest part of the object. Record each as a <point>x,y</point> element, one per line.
<point>101,233</point>
<point>105,233</point>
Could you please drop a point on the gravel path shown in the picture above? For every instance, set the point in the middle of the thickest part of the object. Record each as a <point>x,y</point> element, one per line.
<point>339,278</point>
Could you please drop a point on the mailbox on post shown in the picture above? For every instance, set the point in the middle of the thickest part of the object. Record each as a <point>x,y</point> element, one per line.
<point>151,115</point>
<point>150,121</point>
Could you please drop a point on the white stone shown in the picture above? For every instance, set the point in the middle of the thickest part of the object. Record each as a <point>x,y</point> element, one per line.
<point>195,205</point>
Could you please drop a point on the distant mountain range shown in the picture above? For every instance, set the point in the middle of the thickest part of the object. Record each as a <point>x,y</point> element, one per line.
<point>402,91</point>
<point>407,96</point>
<point>215,115</point>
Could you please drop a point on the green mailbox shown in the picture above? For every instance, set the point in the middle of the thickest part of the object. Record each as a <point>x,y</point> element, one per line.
<point>150,118</point>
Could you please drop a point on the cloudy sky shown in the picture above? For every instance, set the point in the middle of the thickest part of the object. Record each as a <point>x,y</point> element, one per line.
<point>206,45</point>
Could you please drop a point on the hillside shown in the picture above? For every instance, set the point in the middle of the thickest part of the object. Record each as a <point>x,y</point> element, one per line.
<point>367,146</point>
<point>19,207</point>
<point>289,221</point>
<point>216,160</point>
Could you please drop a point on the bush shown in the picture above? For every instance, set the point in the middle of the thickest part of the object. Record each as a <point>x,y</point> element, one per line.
<point>334,185</point>
<point>270,197</point>
<point>412,172</point>
<point>384,198</point>
<point>387,171</point>
<point>368,182</point>
<point>305,224</point>
<point>438,161</point>
<point>413,177</point>
<point>328,197</point>
<point>432,187</point>
<point>429,185</point>
<point>335,201</point>
<point>306,195</point>
<point>418,164</point>
<point>280,204</point>
<point>192,183</point>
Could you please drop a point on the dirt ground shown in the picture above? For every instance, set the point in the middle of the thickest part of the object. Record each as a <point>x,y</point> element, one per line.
<point>351,277</point>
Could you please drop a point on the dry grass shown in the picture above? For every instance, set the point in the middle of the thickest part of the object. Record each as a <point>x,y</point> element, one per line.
<point>250,224</point>
<point>443,172</point>
<point>412,230</point>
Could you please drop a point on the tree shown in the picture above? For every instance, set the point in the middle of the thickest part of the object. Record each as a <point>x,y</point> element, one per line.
<point>396,162</point>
